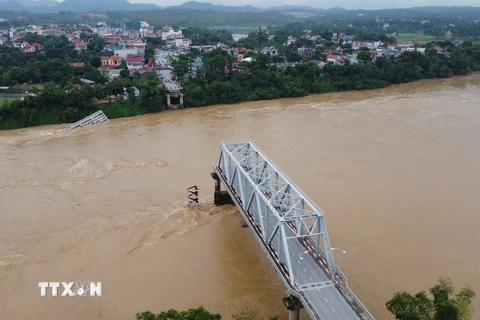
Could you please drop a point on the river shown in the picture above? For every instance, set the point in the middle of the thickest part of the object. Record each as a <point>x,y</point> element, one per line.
<point>394,169</point>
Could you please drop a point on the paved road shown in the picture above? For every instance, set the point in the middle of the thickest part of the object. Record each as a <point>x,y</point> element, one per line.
<point>327,301</point>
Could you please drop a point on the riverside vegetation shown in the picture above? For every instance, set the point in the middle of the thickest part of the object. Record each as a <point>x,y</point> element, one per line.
<point>215,83</point>
<point>403,306</point>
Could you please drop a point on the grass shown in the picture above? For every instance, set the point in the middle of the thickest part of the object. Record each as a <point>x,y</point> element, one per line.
<point>418,37</point>
<point>238,29</point>
<point>6,100</point>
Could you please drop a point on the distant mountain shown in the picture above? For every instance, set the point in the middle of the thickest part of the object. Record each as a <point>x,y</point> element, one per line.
<point>37,3</point>
<point>337,9</point>
<point>92,5</point>
<point>195,5</point>
<point>12,5</point>
<point>290,8</point>
<point>146,6</point>
<point>51,6</point>
<point>102,5</point>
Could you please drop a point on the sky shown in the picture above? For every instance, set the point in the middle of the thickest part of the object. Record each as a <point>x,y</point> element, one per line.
<point>350,4</point>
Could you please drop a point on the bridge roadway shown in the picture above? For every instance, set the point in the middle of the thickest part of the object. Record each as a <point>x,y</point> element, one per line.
<point>327,300</point>
<point>285,223</point>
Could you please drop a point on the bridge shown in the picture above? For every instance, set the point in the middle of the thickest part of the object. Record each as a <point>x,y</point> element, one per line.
<point>94,118</point>
<point>290,229</point>
<point>174,94</point>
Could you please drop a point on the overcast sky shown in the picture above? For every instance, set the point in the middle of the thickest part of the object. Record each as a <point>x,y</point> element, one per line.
<point>350,4</point>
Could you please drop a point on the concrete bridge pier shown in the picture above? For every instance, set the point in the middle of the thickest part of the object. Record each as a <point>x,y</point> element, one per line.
<point>293,305</point>
<point>220,197</point>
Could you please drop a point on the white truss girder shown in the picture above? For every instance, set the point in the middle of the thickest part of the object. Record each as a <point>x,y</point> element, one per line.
<point>280,210</point>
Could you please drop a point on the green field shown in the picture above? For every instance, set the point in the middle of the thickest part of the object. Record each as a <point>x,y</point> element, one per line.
<point>238,29</point>
<point>6,100</point>
<point>418,37</point>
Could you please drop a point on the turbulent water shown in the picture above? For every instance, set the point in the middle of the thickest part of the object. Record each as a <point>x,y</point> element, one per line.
<point>395,170</point>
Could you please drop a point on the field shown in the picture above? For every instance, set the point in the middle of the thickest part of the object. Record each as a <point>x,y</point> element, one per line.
<point>238,29</point>
<point>419,37</point>
<point>6,100</point>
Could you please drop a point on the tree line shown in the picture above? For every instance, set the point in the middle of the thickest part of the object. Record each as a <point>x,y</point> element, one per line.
<point>445,305</point>
<point>55,104</point>
<point>216,83</point>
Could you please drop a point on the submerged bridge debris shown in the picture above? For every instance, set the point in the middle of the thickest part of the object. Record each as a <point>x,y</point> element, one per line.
<point>94,118</point>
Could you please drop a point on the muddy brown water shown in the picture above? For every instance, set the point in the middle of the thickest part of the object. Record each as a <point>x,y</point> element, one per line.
<point>396,170</point>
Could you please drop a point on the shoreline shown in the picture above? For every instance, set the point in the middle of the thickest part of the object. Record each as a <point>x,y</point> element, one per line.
<point>262,100</point>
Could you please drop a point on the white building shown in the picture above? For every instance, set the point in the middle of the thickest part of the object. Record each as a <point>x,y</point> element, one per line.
<point>125,51</point>
<point>183,42</point>
<point>169,33</point>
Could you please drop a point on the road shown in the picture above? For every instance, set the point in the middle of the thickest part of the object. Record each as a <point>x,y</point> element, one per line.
<point>161,60</point>
<point>327,300</point>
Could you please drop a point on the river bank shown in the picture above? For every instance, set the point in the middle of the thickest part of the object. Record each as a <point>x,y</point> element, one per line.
<point>216,84</point>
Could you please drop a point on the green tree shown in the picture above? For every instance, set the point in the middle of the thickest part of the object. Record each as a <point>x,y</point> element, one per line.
<point>444,306</point>
<point>365,56</point>
<point>192,314</point>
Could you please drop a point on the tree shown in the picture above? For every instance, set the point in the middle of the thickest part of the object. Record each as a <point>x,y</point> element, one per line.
<point>365,56</point>
<point>192,314</point>
<point>404,306</point>
<point>247,313</point>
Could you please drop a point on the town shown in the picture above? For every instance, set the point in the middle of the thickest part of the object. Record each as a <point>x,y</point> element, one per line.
<point>113,59</point>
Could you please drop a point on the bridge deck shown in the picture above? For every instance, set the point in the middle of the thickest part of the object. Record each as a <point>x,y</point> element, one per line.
<point>290,229</point>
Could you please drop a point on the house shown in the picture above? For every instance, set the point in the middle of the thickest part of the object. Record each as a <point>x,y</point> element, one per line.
<point>182,42</point>
<point>76,64</point>
<point>32,48</point>
<point>348,38</point>
<point>70,36</point>
<point>457,43</point>
<point>319,63</point>
<point>140,46</point>
<point>112,61</point>
<point>334,48</point>
<point>291,40</point>
<point>170,33</point>
<point>135,92</point>
<point>336,59</point>
<point>392,46</point>
<point>112,48</point>
<point>448,34</point>
<point>20,43</point>
<point>109,72</point>
<point>437,48</point>
<point>124,52</point>
<point>135,61</point>
<point>79,44</point>
<point>204,49</point>
<point>112,40</point>
<point>305,52</point>
<point>129,40</point>
<point>270,50</point>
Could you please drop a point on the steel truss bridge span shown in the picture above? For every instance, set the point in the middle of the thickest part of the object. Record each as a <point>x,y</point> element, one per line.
<point>291,230</point>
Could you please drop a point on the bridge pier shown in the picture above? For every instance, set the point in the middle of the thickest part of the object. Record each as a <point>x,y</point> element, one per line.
<point>293,305</point>
<point>220,197</point>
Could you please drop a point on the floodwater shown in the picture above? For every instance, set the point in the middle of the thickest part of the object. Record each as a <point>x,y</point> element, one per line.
<point>395,170</point>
